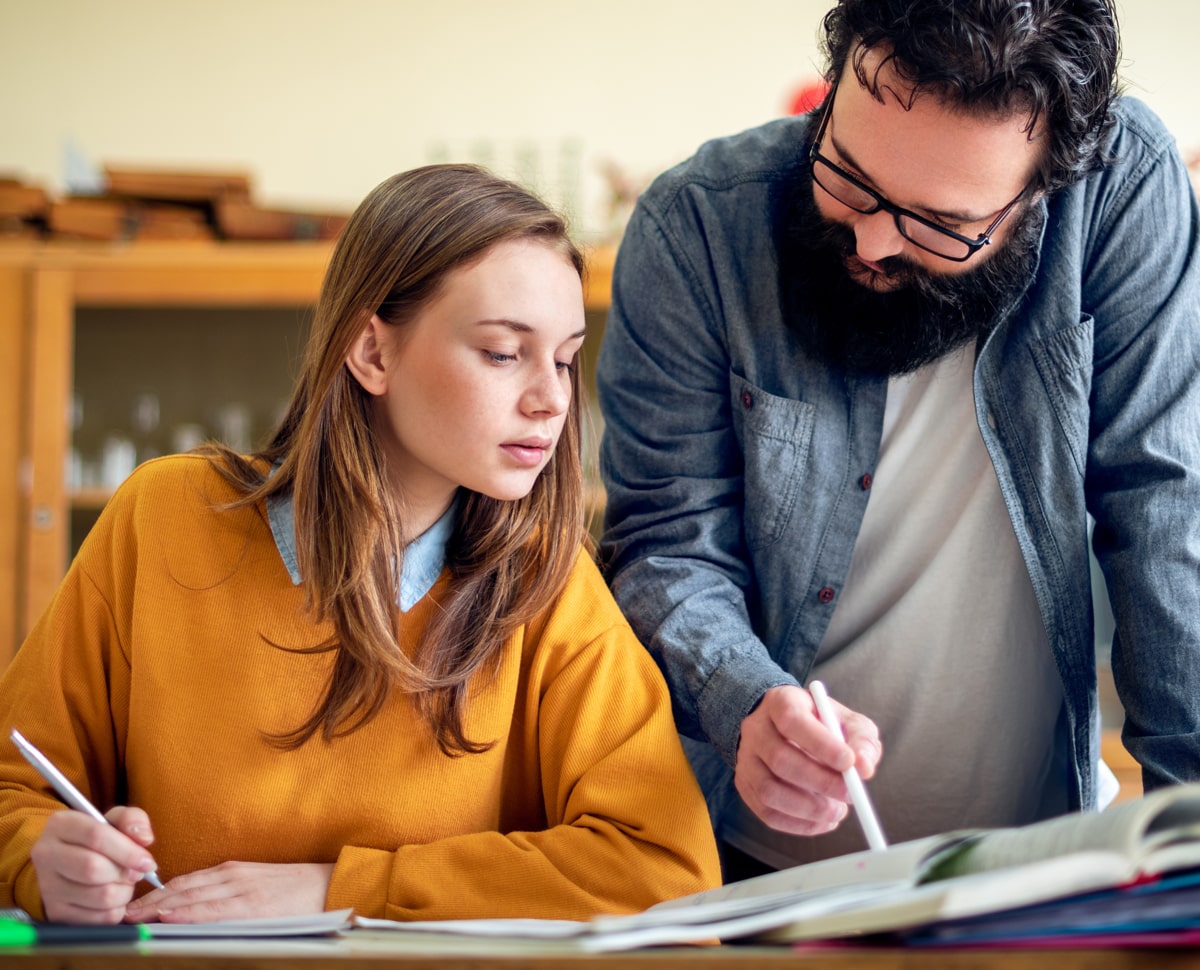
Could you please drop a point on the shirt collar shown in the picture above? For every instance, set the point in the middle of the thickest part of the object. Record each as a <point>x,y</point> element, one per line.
<point>424,557</point>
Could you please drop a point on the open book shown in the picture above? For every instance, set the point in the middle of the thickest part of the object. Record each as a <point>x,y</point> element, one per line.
<point>921,883</point>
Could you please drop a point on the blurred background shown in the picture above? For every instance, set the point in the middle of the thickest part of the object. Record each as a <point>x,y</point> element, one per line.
<point>120,356</point>
<point>319,101</point>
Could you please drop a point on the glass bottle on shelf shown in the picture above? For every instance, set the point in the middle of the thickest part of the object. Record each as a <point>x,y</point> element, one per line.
<point>145,420</point>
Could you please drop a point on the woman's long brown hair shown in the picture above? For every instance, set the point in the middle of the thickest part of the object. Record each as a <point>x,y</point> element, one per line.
<point>508,559</point>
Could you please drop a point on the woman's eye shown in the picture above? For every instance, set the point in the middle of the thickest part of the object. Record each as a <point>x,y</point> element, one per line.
<point>566,365</point>
<point>497,357</point>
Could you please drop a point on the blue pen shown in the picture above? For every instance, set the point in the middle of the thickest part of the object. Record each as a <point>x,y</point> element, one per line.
<point>66,791</point>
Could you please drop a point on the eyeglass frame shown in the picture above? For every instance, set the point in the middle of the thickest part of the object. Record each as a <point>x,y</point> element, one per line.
<point>883,205</point>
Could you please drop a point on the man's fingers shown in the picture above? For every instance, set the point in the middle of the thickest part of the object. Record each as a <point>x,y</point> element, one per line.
<point>793,768</point>
<point>793,808</point>
<point>862,736</point>
<point>794,716</point>
<point>789,764</point>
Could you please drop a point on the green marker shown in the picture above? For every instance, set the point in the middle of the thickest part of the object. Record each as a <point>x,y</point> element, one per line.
<point>17,932</point>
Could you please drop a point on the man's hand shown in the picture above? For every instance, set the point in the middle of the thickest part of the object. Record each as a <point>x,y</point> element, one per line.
<point>236,890</point>
<point>87,871</point>
<point>789,767</point>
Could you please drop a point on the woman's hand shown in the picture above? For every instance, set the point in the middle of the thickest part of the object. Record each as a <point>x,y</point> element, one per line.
<point>87,871</point>
<point>236,890</point>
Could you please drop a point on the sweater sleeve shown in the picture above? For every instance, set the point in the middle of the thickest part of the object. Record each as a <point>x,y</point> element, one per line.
<point>64,691</point>
<point>625,823</point>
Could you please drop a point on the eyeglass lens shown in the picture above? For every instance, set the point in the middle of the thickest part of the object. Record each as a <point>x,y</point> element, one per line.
<point>926,236</point>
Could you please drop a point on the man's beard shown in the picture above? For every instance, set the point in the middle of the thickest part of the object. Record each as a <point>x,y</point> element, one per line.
<point>923,317</point>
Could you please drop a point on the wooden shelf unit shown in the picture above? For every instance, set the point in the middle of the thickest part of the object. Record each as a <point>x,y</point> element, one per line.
<point>42,285</point>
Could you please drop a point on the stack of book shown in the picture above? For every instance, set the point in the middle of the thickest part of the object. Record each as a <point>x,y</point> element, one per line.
<point>22,209</point>
<point>154,204</point>
<point>1128,876</point>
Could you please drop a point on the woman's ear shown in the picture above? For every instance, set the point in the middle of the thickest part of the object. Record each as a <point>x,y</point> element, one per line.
<point>365,359</point>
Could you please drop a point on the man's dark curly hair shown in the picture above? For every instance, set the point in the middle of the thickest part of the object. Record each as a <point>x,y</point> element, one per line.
<point>1054,59</point>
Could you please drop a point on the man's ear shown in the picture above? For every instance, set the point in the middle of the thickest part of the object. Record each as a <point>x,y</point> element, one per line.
<point>365,359</point>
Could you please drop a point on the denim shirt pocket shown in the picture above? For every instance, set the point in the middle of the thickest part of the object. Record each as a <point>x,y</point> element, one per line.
<point>1064,363</point>
<point>775,434</point>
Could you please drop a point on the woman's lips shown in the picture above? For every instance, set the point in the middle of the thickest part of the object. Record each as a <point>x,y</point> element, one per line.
<point>530,453</point>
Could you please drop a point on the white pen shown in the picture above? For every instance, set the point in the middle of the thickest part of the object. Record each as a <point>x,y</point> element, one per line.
<point>858,791</point>
<point>67,792</point>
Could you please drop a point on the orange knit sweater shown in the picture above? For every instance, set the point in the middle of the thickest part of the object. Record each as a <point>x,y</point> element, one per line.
<point>157,669</point>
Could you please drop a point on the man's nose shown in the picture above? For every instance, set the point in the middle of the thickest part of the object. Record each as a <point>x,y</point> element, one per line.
<point>877,236</point>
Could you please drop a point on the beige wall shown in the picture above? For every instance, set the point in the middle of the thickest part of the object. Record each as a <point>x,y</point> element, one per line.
<point>320,100</point>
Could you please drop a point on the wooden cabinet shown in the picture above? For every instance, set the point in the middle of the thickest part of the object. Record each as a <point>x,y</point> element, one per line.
<point>46,293</point>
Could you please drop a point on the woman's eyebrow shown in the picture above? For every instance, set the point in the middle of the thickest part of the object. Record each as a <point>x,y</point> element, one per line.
<point>518,327</point>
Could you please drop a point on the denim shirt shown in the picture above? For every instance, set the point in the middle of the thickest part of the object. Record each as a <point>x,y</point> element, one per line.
<point>424,557</point>
<point>736,465</point>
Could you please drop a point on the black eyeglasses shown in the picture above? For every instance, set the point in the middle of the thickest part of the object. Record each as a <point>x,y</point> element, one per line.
<point>918,230</point>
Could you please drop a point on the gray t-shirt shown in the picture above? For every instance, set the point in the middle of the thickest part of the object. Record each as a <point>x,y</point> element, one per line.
<point>963,686</point>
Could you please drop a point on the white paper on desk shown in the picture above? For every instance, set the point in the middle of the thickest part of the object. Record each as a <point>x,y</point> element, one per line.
<point>704,915</point>
<point>529,929</point>
<point>311,924</point>
<point>727,920</point>
<point>702,922</point>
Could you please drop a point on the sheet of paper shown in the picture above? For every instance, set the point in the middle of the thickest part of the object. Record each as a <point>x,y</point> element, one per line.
<point>312,924</point>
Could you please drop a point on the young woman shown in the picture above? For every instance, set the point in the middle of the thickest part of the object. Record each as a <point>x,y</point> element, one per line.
<point>372,665</point>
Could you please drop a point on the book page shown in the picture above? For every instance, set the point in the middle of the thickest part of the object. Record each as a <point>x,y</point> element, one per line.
<point>964,896</point>
<point>724,919</point>
<point>898,865</point>
<point>1123,828</point>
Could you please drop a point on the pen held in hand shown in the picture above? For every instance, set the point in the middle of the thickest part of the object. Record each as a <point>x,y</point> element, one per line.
<point>66,791</point>
<point>858,792</point>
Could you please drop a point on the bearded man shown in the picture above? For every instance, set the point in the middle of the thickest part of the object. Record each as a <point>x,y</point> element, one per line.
<point>869,377</point>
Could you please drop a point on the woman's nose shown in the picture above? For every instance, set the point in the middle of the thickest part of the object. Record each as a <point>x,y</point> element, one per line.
<point>550,392</point>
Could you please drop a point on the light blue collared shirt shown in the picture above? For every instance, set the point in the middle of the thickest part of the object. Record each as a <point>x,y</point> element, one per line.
<point>424,557</point>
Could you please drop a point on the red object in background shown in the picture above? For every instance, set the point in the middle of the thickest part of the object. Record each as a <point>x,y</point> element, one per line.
<point>807,96</point>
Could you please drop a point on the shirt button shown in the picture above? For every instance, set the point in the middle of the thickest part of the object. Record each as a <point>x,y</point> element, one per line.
<point>866,481</point>
<point>747,400</point>
<point>991,420</point>
<point>826,594</point>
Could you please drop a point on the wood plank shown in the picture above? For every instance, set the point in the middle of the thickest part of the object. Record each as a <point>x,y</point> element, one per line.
<point>199,274</point>
<point>183,273</point>
<point>216,274</point>
<point>351,954</point>
<point>47,522</point>
<point>12,384</point>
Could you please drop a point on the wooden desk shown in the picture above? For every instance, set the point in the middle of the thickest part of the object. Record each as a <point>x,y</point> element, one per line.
<point>266,956</point>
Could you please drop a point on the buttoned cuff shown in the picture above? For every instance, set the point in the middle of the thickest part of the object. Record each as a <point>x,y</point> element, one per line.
<point>731,693</point>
